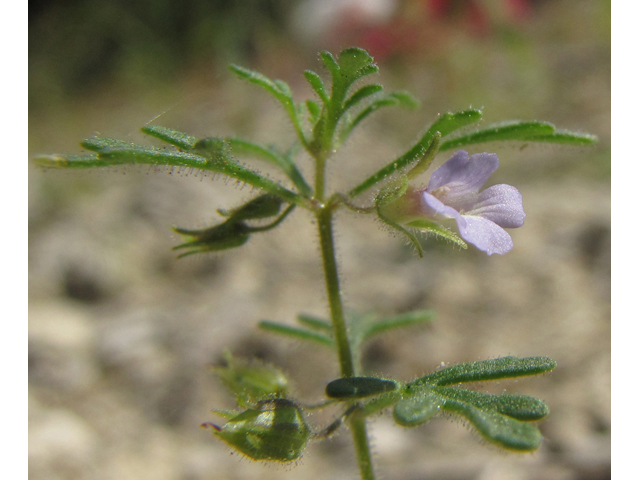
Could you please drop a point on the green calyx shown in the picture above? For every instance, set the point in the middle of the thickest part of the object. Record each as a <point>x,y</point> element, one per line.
<point>230,234</point>
<point>264,206</point>
<point>234,231</point>
<point>274,430</point>
<point>251,382</point>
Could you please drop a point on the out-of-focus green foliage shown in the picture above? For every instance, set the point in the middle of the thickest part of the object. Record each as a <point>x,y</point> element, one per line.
<point>77,45</point>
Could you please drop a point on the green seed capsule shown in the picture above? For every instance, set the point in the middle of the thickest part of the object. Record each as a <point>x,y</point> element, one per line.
<point>274,430</point>
<point>359,387</point>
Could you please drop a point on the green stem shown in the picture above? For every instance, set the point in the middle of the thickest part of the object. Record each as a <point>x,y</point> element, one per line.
<point>345,356</point>
<point>361,440</point>
<point>333,291</point>
<point>324,216</point>
<point>320,178</point>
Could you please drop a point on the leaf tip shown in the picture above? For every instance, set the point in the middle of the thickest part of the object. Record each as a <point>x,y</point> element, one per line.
<point>51,161</point>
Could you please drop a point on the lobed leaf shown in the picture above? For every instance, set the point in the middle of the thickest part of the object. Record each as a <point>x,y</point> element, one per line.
<point>355,63</point>
<point>567,137</point>
<point>209,154</point>
<point>279,89</point>
<point>173,137</point>
<point>220,160</point>
<point>445,124</point>
<point>380,402</point>
<point>314,111</point>
<point>449,122</point>
<point>405,99</point>
<point>352,64</point>
<point>402,99</point>
<point>111,152</point>
<point>414,154</point>
<point>330,62</point>
<point>215,151</point>
<point>500,419</point>
<point>271,155</point>
<point>361,94</point>
<point>283,87</point>
<point>520,407</point>
<point>494,369</point>
<point>504,431</point>
<point>117,152</point>
<point>417,408</point>
<point>318,86</point>
<point>315,322</point>
<point>511,130</point>
<point>296,332</point>
<point>101,144</point>
<point>424,163</point>
<point>70,161</point>
<point>417,317</point>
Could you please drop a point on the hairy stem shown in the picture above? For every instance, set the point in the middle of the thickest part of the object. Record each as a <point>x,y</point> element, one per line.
<point>320,178</point>
<point>345,356</point>
<point>361,440</point>
<point>332,282</point>
<point>324,217</point>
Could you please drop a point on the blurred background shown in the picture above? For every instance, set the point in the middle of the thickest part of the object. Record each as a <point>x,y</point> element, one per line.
<point>121,335</point>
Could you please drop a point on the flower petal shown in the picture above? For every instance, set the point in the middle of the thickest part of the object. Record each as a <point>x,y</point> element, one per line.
<point>502,204</point>
<point>485,235</point>
<point>463,175</point>
<point>481,232</point>
<point>433,208</point>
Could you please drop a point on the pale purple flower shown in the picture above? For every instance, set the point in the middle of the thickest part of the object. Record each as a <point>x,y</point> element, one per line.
<point>454,193</point>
